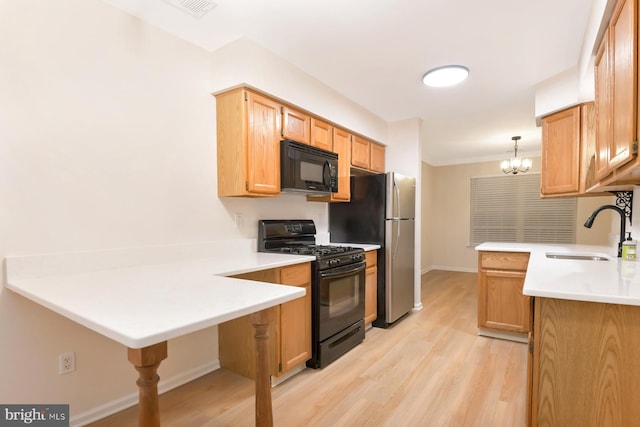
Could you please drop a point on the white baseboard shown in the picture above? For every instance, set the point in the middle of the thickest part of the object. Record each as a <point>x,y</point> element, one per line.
<point>131,399</point>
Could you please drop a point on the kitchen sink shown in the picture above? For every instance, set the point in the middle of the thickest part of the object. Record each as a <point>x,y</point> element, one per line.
<point>578,256</point>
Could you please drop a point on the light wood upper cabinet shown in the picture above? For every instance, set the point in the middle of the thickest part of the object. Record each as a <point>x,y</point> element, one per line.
<point>342,146</point>
<point>250,126</point>
<point>604,109</point>
<point>360,152</point>
<point>501,304</point>
<point>367,155</point>
<point>561,152</point>
<point>321,134</point>
<point>624,65</point>
<point>248,144</point>
<point>616,88</point>
<point>377,157</point>
<point>568,152</point>
<point>296,125</point>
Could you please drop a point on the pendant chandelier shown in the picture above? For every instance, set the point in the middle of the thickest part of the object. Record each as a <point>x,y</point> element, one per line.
<point>515,164</point>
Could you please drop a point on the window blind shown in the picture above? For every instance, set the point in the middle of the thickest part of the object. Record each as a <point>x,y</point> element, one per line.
<point>509,209</point>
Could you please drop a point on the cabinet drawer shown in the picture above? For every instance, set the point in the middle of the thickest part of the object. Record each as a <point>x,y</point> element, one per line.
<point>513,261</point>
<point>296,275</point>
<point>371,258</point>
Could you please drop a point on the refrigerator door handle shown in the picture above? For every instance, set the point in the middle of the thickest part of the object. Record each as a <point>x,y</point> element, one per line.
<point>397,200</point>
<point>395,250</point>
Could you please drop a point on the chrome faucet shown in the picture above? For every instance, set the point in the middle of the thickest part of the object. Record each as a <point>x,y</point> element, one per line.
<point>623,220</point>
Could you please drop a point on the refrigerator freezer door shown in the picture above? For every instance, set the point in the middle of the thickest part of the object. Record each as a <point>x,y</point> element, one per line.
<point>401,196</point>
<point>399,267</point>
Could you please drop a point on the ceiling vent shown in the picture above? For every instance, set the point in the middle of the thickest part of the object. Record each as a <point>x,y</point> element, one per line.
<point>196,8</point>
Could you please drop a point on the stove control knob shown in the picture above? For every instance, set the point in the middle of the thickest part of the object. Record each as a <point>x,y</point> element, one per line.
<point>333,262</point>
<point>358,257</point>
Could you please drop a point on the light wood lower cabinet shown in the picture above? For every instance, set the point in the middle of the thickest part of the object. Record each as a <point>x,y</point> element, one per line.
<point>371,287</point>
<point>289,337</point>
<point>501,304</point>
<point>584,365</point>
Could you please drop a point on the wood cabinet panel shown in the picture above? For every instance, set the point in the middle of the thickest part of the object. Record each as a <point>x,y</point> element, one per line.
<point>604,110</point>
<point>623,43</point>
<point>263,152</point>
<point>360,152</point>
<point>501,304</point>
<point>585,369</point>
<point>376,157</point>
<point>248,144</point>
<point>561,152</point>
<point>371,287</point>
<point>342,146</point>
<point>513,261</point>
<point>616,77</point>
<point>321,134</point>
<point>295,330</point>
<point>296,125</point>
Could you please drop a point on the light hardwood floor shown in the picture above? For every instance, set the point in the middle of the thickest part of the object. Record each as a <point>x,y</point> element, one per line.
<point>430,369</point>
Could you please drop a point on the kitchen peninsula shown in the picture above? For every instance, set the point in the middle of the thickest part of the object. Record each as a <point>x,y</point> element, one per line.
<point>143,297</point>
<point>583,367</point>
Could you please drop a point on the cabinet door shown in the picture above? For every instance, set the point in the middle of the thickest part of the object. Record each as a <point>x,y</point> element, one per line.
<point>586,370</point>
<point>501,304</point>
<point>371,288</point>
<point>360,152</point>
<point>561,152</point>
<point>295,319</point>
<point>321,134</point>
<point>377,158</point>
<point>296,125</point>
<point>342,146</point>
<point>263,146</point>
<point>603,107</point>
<point>623,43</point>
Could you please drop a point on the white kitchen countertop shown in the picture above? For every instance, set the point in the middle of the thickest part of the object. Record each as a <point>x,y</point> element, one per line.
<point>142,296</point>
<point>615,281</point>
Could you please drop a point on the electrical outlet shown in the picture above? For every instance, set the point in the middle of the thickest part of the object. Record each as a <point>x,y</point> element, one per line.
<point>66,362</point>
<point>237,218</point>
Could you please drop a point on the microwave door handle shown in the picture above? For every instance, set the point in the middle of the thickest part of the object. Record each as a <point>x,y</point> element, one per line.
<point>326,176</point>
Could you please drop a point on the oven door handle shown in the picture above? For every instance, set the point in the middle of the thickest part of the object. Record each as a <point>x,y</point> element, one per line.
<point>347,270</point>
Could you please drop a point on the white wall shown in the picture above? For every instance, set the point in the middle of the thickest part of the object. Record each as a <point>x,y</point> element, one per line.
<point>107,140</point>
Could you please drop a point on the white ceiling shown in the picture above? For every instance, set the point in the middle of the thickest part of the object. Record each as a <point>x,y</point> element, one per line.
<point>384,47</point>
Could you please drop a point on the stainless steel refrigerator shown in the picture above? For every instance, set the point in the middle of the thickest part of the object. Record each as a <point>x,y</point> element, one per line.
<point>382,211</point>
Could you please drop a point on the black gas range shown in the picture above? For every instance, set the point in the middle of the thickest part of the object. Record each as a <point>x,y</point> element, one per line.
<point>298,237</point>
<point>337,286</point>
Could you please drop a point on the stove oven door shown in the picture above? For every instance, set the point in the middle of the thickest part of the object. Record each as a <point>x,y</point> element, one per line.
<point>341,298</point>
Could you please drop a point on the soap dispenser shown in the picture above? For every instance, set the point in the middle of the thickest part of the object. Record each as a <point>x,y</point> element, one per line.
<point>629,248</point>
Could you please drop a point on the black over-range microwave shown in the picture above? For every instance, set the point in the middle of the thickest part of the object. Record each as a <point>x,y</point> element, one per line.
<point>307,169</point>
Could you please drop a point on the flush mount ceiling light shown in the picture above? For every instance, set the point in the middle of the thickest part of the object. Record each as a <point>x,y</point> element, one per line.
<point>447,75</point>
<point>515,164</point>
